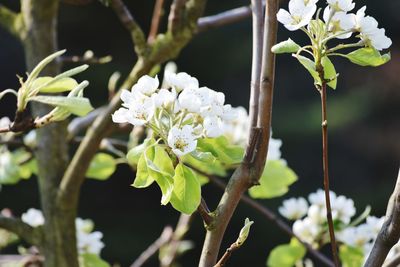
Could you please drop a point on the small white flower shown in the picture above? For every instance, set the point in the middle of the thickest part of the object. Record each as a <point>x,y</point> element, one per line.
<point>339,22</point>
<point>228,113</point>
<point>341,5</point>
<point>299,14</point>
<point>317,213</point>
<point>4,122</point>
<point>375,224</point>
<point>355,236</point>
<point>192,99</point>
<point>343,209</point>
<point>274,149</point>
<point>180,81</point>
<point>182,141</point>
<point>237,129</point>
<point>318,198</point>
<point>213,126</point>
<point>164,98</point>
<point>88,241</point>
<point>33,217</point>
<point>138,113</point>
<point>212,102</point>
<point>146,85</point>
<point>293,208</point>
<point>307,230</point>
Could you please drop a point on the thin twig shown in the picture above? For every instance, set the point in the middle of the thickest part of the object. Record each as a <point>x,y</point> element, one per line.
<point>175,15</point>
<point>389,234</point>
<point>394,262</point>
<point>271,216</point>
<point>23,230</point>
<point>224,18</point>
<point>164,238</point>
<point>155,21</point>
<point>325,165</point>
<point>204,212</point>
<point>86,60</point>
<point>227,255</point>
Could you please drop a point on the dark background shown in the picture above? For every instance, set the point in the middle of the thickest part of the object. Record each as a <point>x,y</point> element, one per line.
<point>363,119</point>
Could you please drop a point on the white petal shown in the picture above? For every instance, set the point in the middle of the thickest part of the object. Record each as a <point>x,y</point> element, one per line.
<point>120,116</point>
<point>284,17</point>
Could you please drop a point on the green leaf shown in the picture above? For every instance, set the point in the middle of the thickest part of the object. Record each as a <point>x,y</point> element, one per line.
<point>134,154</point>
<point>76,105</point>
<point>329,72</point>
<point>9,169</point>
<point>101,167</point>
<point>288,46</point>
<point>368,57</point>
<point>143,179</point>
<point>26,170</point>
<point>91,260</point>
<point>310,66</point>
<point>186,195</point>
<point>286,255</point>
<point>205,157</point>
<point>215,168</point>
<point>351,256</point>
<point>275,180</point>
<point>62,85</point>
<point>221,149</point>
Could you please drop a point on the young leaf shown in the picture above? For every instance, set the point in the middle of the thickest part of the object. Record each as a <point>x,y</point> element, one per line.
<point>274,181</point>
<point>368,56</point>
<point>101,167</point>
<point>205,157</point>
<point>351,256</point>
<point>143,179</point>
<point>329,72</point>
<point>76,105</point>
<point>215,168</point>
<point>221,149</point>
<point>186,195</point>
<point>310,66</point>
<point>45,85</point>
<point>134,154</point>
<point>9,169</point>
<point>286,255</point>
<point>288,46</point>
<point>91,260</point>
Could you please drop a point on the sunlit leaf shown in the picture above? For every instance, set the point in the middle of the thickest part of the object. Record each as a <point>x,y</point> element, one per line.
<point>310,66</point>
<point>329,72</point>
<point>351,256</point>
<point>76,105</point>
<point>62,85</point>
<point>101,167</point>
<point>368,57</point>
<point>288,46</point>
<point>91,260</point>
<point>286,255</point>
<point>221,149</point>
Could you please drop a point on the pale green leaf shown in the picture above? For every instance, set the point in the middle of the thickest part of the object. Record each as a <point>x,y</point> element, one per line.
<point>91,260</point>
<point>275,180</point>
<point>9,169</point>
<point>329,72</point>
<point>143,179</point>
<point>76,105</point>
<point>45,85</point>
<point>368,57</point>
<point>186,195</point>
<point>134,154</point>
<point>286,255</point>
<point>215,168</point>
<point>288,46</point>
<point>310,66</point>
<point>351,256</point>
<point>221,149</point>
<point>101,167</point>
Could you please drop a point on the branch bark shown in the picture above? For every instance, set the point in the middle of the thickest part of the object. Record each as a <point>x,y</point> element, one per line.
<point>248,173</point>
<point>11,21</point>
<point>23,230</point>
<point>155,21</point>
<point>390,232</point>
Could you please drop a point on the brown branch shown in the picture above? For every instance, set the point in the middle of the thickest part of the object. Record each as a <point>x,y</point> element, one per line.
<point>271,216</point>
<point>11,21</point>
<point>155,21</point>
<point>126,18</point>
<point>224,18</point>
<point>23,230</point>
<point>325,164</point>
<point>246,174</point>
<point>394,262</point>
<point>175,15</point>
<point>390,232</point>
<point>205,213</point>
<point>227,255</point>
<point>79,124</point>
<point>164,238</point>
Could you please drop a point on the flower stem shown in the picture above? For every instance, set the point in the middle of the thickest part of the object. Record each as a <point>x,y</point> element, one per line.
<point>324,125</point>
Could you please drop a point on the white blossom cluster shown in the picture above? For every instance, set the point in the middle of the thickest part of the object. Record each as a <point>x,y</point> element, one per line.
<point>338,21</point>
<point>180,113</point>
<point>89,241</point>
<point>310,217</point>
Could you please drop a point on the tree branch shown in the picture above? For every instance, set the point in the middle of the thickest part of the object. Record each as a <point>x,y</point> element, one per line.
<point>224,18</point>
<point>23,230</point>
<point>227,255</point>
<point>390,232</point>
<point>155,21</point>
<point>248,173</point>
<point>11,21</point>
<point>175,15</point>
<point>131,25</point>
<point>205,212</point>
<point>394,262</point>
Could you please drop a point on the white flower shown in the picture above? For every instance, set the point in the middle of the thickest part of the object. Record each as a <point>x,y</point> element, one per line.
<point>228,113</point>
<point>236,130</point>
<point>341,5</point>
<point>213,126</point>
<point>182,141</point>
<point>138,113</point>
<point>299,14</point>
<point>180,81</point>
<point>33,217</point>
<point>318,198</point>
<point>307,230</point>
<point>343,209</point>
<point>213,103</point>
<point>293,208</point>
<point>274,149</point>
<point>355,236</point>
<point>88,241</point>
<point>369,31</point>
<point>192,99</point>
<point>164,98</point>
<point>339,22</point>
<point>317,213</point>
<point>375,224</point>
<point>4,122</point>
<point>146,85</point>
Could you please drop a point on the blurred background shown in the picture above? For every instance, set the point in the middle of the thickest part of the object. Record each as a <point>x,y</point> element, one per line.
<point>364,123</point>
